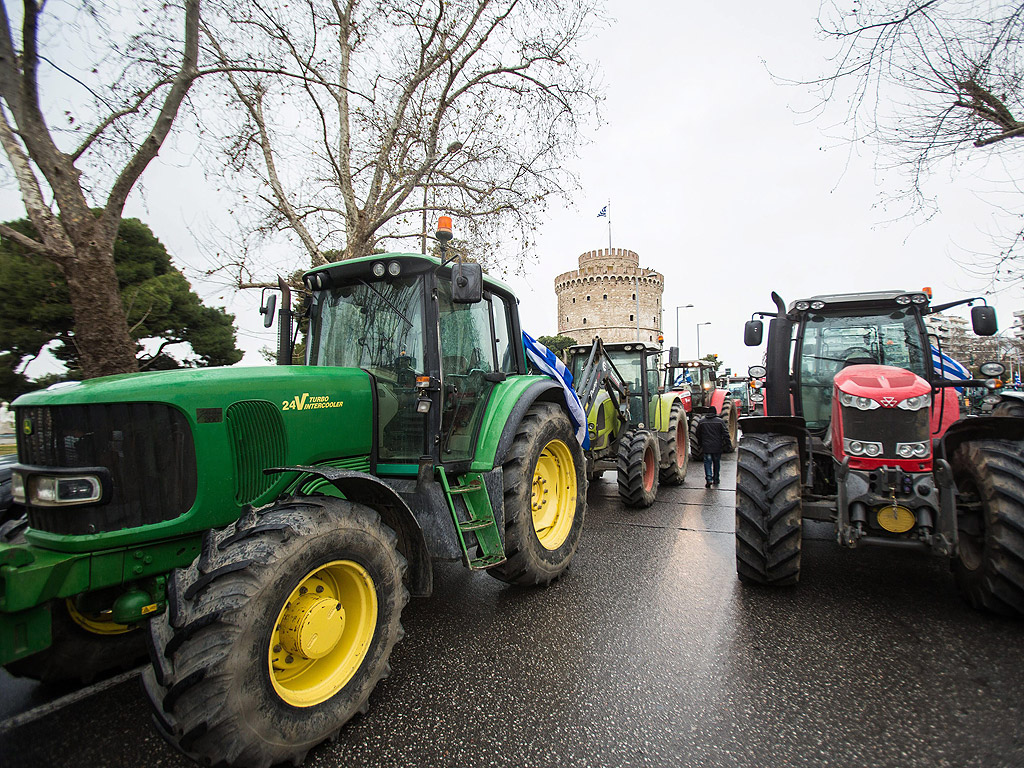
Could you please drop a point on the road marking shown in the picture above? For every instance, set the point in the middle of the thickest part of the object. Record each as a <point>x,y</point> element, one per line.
<point>65,701</point>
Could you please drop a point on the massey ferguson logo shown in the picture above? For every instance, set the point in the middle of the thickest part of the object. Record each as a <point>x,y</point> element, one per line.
<point>888,402</point>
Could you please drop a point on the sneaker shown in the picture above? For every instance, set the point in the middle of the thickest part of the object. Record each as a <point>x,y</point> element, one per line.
<point>716,482</point>
<point>707,484</point>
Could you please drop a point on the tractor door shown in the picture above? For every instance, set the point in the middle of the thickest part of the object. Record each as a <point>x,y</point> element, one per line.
<point>476,353</point>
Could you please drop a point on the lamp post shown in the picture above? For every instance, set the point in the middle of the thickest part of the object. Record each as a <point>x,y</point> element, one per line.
<point>698,336</point>
<point>681,306</point>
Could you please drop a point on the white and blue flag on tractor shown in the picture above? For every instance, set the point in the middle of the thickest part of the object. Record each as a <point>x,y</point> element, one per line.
<point>546,362</point>
<point>948,368</point>
<point>604,212</point>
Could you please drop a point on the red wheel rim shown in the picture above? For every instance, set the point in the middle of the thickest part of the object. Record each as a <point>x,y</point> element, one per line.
<point>681,445</point>
<point>648,469</point>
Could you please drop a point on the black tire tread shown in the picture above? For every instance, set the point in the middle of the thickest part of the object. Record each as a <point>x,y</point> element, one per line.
<point>630,468</point>
<point>997,470</point>
<point>768,510</point>
<point>673,474</point>
<point>188,690</point>
<point>524,564</point>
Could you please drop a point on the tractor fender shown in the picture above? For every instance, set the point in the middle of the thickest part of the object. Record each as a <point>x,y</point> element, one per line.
<point>373,492</point>
<point>718,399</point>
<point>546,391</point>
<point>663,409</point>
<point>980,428</point>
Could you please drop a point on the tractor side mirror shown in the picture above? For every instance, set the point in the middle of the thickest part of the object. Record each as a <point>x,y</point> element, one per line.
<point>753,330</point>
<point>673,357</point>
<point>467,283</point>
<point>268,309</point>
<point>983,320</point>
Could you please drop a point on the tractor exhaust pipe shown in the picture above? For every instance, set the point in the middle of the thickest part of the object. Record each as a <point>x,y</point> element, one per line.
<point>284,324</point>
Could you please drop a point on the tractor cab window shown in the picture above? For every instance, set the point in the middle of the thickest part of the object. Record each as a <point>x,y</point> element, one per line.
<point>830,343</point>
<point>378,326</point>
<point>503,335</point>
<point>468,352</point>
<point>630,367</point>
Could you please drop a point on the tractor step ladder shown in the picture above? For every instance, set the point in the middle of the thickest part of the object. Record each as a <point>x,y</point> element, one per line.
<point>481,521</point>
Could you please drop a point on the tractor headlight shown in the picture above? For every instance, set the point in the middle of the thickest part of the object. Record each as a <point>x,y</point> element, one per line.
<point>903,299</point>
<point>41,489</point>
<point>861,447</point>
<point>803,305</point>
<point>919,298</point>
<point>914,403</point>
<point>378,269</point>
<point>394,269</point>
<point>860,403</point>
<point>912,450</point>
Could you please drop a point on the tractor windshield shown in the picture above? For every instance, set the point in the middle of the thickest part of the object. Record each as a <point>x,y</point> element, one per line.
<point>378,326</point>
<point>829,343</point>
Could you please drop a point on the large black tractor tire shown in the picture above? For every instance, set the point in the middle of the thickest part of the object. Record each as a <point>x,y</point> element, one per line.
<point>1009,407</point>
<point>83,646</point>
<point>677,447</point>
<point>545,498</point>
<point>637,468</point>
<point>731,420</point>
<point>989,568</point>
<point>696,452</point>
<point>769,522</point>
<point>278,633</point>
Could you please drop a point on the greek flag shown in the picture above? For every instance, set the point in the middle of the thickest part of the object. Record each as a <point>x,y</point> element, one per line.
<point>546,362</point>
<point>604,212</point>
<point>948,368</point>
<point>1016,379</point>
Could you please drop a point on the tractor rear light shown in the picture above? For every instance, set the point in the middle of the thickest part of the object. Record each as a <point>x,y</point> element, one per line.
<point>914,403</point>
<point>860,403</point>
<point>912,450</point>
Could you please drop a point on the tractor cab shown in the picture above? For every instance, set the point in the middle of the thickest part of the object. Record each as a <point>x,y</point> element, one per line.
<point>634,364</point>
<point>434,356</point>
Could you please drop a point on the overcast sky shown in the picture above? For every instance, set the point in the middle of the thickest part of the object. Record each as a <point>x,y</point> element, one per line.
<point>715,178</point>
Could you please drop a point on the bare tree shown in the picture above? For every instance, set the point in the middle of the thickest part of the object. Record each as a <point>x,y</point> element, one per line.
<point>930,80</point>
<point>75,170</point>
<point>369,114</point>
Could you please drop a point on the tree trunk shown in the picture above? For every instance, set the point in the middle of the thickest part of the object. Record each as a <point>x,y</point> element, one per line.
<point>101,328</point>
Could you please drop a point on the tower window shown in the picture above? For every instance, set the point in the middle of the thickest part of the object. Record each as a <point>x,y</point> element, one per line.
<point>606,297</point>
<point>574,300</point>
<point>634,297</point>
<point>588,298</point>
<point>584,321</point>
<point>631,318</point>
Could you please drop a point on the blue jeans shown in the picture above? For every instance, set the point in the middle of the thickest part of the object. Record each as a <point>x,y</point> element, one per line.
<point>712,467</point>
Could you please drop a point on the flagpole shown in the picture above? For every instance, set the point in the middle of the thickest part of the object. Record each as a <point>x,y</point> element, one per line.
<point>609,226</point>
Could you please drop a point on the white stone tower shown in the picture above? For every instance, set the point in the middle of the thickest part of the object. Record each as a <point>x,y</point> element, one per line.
<point>600,298</point>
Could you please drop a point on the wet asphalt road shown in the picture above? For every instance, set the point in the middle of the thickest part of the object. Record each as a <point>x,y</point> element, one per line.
<point>649,653</point>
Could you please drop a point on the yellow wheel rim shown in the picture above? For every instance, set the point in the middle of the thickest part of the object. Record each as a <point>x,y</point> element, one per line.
<point>98,623</point>
<point>554,495</point>
<point>322,633</point>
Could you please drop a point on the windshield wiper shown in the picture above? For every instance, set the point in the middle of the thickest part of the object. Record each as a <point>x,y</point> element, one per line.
<point>390,303</point>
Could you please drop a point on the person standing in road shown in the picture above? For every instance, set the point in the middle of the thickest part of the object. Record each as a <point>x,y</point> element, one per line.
<point>714,437</point>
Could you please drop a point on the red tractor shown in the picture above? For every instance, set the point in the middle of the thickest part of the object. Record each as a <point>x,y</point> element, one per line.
<point>861,432</point>
<point>693,381</point>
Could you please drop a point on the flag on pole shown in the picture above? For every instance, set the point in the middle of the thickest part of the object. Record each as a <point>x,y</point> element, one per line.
<point>948,368</point>
<point>604,212</point>
<point>547,363</point>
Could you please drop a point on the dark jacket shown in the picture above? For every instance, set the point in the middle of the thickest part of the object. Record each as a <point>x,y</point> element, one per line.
<point>713,434</point>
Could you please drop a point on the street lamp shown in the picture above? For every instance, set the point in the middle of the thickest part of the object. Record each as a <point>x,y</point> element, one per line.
<point>681,306</point>
<point>698,336</point>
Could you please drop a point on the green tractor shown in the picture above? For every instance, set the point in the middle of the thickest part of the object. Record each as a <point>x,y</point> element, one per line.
<point>635,428</point>
<point>263,528</point>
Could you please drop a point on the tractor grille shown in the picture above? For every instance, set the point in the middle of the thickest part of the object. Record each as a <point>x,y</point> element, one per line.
<point>257,442</point>
<point>147,447</point>
<point>888,426</point>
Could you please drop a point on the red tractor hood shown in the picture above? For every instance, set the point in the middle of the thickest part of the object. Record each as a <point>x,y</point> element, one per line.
<point>883,383</point>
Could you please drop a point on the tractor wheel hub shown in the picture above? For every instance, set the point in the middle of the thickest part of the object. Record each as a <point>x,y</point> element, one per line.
<point>312,626</point>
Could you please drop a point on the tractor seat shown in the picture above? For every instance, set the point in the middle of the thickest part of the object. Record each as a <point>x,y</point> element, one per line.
<point>859,361</point>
